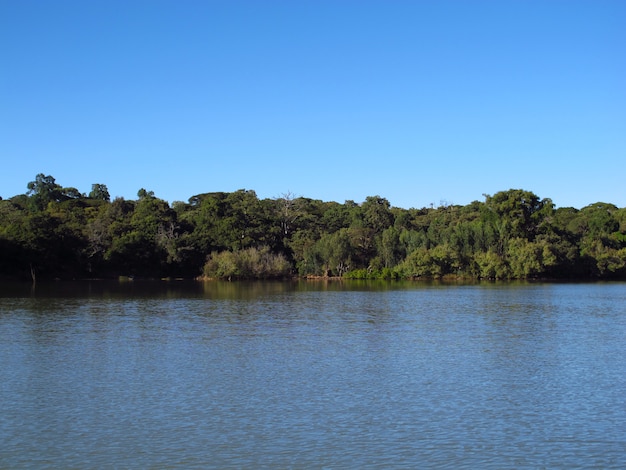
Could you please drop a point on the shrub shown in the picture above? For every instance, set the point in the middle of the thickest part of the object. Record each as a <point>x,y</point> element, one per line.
<point>251,263</point>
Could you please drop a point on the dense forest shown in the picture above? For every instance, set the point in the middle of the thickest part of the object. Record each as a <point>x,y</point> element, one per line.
<point>53,231</point>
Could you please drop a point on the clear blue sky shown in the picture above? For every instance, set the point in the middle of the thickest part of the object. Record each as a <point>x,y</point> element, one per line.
<point>416,101</point>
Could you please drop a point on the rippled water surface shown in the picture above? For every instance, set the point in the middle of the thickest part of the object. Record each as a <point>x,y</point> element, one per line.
<point>313,375</point>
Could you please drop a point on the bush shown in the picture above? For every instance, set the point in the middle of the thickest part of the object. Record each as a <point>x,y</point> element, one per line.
<point>251,263</point>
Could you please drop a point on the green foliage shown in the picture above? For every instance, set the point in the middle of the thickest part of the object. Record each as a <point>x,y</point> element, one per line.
<point>56,231</point>
<point>336,250</point>
<point>526,258</point>
<point>100,192</point>
<point>43,190</point>
<point>376,213</point>
<point>521,212</point>
<point>256,263</point>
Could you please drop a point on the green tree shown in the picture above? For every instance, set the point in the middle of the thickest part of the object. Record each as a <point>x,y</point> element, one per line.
<point>377,214</point>
<point>334,250</point>
<point>491,265</point>
<point>418,263</point>
<point>43,190</point>
<point>336,216</point>
<point>302,245</point>
<point>521,212</point>
<point>100,192</point>
<point>391,250</point>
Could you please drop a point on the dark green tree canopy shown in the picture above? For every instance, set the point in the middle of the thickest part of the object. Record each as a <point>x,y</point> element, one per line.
<point>100,192</point>
<point>44,190</point>
<point>55,231</point>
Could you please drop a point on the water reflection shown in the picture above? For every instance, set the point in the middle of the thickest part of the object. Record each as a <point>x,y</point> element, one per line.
<point>172,289</point>
<point>313,375</point>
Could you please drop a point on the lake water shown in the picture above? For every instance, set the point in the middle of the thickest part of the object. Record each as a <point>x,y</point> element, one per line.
<point>313,375</point>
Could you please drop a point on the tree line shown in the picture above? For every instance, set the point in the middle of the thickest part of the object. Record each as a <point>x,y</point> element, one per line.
<point>53,231</point>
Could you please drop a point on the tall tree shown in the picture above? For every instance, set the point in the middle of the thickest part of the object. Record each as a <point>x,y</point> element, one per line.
<point>43,190</point>
<point>100,192</point>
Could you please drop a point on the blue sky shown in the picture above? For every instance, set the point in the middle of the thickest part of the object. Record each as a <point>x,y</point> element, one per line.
<point>417,101</point>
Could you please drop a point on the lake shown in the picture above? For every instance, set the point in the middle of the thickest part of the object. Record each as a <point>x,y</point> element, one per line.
<point>313,375</point>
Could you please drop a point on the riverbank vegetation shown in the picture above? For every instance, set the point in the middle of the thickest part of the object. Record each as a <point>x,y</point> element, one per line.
<point>53,231</point>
